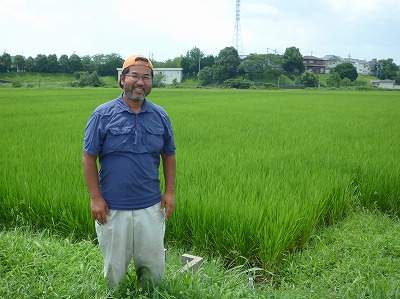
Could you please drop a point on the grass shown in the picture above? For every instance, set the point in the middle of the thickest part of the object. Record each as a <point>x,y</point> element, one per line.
<point>46,80</point>
<point>44,265</point>
<point>36,77</point>
<point>357,258</point>
<point>297,159</point>
<point>259,172</point>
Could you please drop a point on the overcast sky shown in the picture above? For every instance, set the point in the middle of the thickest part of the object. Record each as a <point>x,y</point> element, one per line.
<point>164,29</point>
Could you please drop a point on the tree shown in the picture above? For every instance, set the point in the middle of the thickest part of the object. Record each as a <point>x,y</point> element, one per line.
<point>75,63</point>
<point>190,63</point>
<point>309,79</point>
<point>226,64</point>
<point>385,69</point>
<point>209,60</point>
<point>52,64</point>
<point>333,80</point>
<point>346,70</point>
<point>19,63</point>
<point>262,65</point>
<point>63,62</point>
<point>87,64</point>
<point>30,64</point>
<point>293,61</point>
<point>41,63</point>
<point>206,76</point>
<point>254,65</point>
<point>169,63</point>
<point>5,62</point>
<point>108,64</point>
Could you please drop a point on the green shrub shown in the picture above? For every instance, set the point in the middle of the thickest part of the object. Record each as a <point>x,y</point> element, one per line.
<point>238,83</point>
<point>269,86</point>
<point>16,84</point>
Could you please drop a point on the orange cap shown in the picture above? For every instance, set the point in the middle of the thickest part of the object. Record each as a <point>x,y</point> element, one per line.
<point>137,59</point>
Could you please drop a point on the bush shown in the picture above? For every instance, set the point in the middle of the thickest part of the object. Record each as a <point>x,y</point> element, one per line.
<point>206,76</point>
<point>16,84</point>
<point>346,82</point>
<point>308,80</point>
<point>94,80</point>
<point>158,80</point>
<point>238,83</point>
<point>333,80</point>
<point>87,80</point>
<point>269,85</point>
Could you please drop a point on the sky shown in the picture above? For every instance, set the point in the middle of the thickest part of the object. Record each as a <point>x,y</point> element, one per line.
<point>165,29</point>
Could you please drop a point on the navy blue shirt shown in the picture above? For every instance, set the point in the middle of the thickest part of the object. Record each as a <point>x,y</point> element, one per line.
<point>129,146</point>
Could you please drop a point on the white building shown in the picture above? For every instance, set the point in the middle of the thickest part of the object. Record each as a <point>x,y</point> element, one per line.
<point>332,61</point>
<point>170,74</point>
<point>388,84</point>
<point>362,66</point>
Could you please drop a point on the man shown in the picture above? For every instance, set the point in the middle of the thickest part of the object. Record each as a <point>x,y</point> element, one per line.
<point>128,136</point>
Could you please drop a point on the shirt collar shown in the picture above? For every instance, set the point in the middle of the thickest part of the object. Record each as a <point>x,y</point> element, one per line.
<point>123,106</point>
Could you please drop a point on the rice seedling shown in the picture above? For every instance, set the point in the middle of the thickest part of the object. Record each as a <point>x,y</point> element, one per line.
<point>258,171</point>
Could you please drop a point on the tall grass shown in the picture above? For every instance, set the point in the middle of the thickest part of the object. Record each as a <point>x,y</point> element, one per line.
<point>258,171</point>
<point>357,258</point>
<point>269,167</point>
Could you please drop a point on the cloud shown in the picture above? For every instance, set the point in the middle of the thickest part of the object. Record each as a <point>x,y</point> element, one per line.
<point>363,28</point>
<point>259,10</point>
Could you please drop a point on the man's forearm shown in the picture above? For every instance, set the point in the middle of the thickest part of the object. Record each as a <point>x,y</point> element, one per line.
<point>91,175</point>
<point>169,166</point>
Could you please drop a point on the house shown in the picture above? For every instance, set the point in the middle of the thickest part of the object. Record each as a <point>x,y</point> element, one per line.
<point>314,64</point>
<point>170,74</point>
<point>332,61</point>
<point>362,66</point>
<point>388,84</point>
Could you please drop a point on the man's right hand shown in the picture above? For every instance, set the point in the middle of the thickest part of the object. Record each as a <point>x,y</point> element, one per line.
<point>98,205</point>
<point>100,210</point>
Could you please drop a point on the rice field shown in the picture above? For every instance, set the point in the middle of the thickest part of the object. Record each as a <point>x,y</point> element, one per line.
<point>259,172</point>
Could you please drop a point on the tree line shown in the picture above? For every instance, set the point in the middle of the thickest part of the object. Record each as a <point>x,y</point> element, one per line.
<point>227,68</point>
<point>103,64</point>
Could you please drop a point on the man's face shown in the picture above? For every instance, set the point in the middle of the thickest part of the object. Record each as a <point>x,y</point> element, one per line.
<point>137,83</point>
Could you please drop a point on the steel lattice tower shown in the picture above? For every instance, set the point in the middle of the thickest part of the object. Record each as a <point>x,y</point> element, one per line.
<point>237,36</point>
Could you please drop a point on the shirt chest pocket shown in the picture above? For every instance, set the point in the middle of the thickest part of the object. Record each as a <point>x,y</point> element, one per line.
<point>121,138</point>
<point>153,139</point>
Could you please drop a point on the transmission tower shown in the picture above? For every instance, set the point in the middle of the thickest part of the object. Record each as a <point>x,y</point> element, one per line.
<point>237,35</point>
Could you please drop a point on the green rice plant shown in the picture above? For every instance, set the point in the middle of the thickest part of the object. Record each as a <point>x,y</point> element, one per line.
<point>271,167</point>
<point>41,174</point>
<point>258,171</point>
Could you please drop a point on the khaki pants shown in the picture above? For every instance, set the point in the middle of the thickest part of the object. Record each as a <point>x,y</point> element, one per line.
<point>135,233</point>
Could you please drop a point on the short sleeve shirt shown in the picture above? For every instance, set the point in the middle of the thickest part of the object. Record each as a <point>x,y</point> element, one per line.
<point>129,146</point>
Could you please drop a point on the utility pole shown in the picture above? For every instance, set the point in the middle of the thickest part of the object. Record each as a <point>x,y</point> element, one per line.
<point>198,74</point>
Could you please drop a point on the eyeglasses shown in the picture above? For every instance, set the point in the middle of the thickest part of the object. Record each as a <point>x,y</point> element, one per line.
<point>136,77</point>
